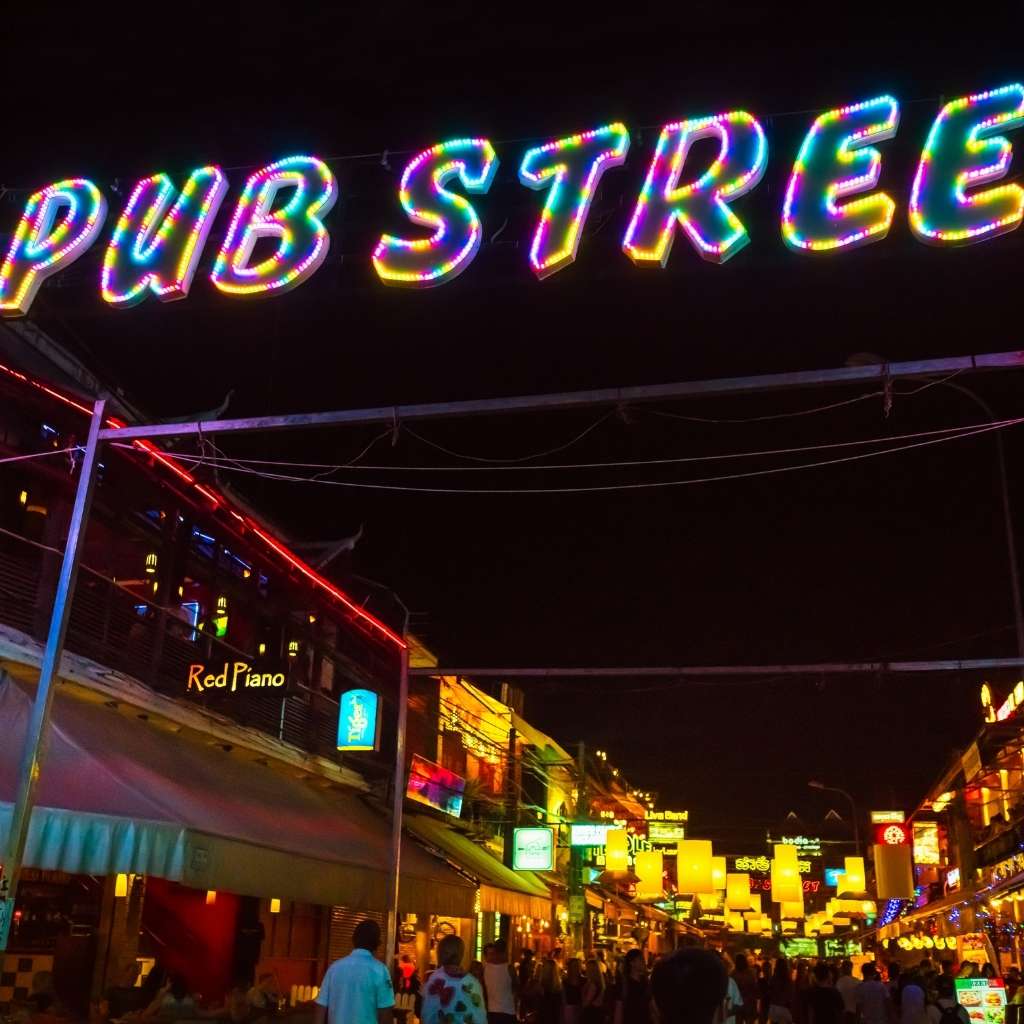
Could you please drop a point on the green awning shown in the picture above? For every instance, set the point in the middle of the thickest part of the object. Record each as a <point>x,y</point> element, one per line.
<point>502,890</point>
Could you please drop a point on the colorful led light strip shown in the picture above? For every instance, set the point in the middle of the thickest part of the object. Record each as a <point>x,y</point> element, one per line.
<point>148,448</point>
<point>837,160</point>
<point>424,262</point>
<point>156,247</point>
<point>39,249</point>
<point>298,226</point>
<point>964,149</point>
<point>700,207</point>
<point>570,169</point>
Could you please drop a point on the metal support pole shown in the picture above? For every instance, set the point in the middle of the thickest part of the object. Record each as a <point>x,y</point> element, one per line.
<point>396,809</point>
<point>1011,544</point>
<point>35,737</point>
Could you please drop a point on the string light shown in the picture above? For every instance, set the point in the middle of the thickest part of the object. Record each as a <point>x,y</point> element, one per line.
<point>836,160</point>
<point>701,206</point>
<point>302,239</point>
<point>155,246</point>
<point>425,262</point>
<point>570,169</point>
<point>40,247</point>
<point>963,150</point>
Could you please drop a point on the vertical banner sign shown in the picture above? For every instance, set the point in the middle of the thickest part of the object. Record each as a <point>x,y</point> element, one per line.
<point>6,911</point>
<point>359,720</point>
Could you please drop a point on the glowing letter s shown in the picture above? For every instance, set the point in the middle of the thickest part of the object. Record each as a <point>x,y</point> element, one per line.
<point>41,246</point>
<point>700,207</point>
<point>571,169</point>
<point>965,149</point>
<point>156,250</point>
<point>836,160</point>
<point>423,262</point>
<point>302,239</point>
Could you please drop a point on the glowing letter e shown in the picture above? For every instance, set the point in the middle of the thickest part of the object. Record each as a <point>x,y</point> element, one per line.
<point>836,160</point>
<point>44,244</point>
<point>423,262</point>
<point>302,239</point>
<point>965,149</point>
<point>701,206</point>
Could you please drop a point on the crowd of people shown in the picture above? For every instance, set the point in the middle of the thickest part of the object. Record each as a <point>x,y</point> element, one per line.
<point>690,986</point>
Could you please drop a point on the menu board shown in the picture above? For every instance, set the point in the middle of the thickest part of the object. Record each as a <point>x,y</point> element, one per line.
<point>984,999</point>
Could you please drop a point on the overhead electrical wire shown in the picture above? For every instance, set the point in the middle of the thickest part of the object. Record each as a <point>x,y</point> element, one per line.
<point>223,460</point>
<point>648,485</point>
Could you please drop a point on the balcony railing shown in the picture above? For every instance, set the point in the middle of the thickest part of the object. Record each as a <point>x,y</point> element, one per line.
<point>156,645</point>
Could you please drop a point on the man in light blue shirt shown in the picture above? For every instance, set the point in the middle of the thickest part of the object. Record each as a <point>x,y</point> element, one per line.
<point>357,989</point>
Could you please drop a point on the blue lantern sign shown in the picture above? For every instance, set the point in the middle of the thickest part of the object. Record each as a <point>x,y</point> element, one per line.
<point>359,720</point>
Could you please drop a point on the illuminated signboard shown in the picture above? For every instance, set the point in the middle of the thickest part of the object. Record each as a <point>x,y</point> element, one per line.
<point>953,879</point>
<point>832,876</point>
<point>926,843</point>
<point>359,720</point>
<point>985,996</point>
<point>809,885</point>
<point>533,849</point>
<point>275,236</point>
<point>764,864</point>
<point>885,817</point>
<point>588,835</point>
<point>806,846</point>
<point>230,677</point>
<point>665,832</point>
<point>893,834</point>
<point>435,786</point>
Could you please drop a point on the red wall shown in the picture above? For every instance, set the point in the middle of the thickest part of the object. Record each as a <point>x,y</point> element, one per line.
<point>190,938</point>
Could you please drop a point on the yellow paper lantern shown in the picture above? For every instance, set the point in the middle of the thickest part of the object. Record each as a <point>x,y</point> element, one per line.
<point>737,891</point>
<point>120,886</point>
<point>854,881</point>
<point>786,884</point>
<point>826,929</point>
<point>649,869</point>
<point>616,851</point>
<point>894,877</point>
<point>718,873</point>
<point>789,927</point>
<point>693,866</point>
<point>734,922</point>
<point>754,902</point>
<point>793,911</point>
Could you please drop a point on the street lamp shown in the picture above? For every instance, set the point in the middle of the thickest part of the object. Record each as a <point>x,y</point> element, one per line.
<point>814,784</point>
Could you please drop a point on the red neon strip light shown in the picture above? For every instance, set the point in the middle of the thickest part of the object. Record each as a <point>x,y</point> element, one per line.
<point>307,571</point>
<point>150,449</point>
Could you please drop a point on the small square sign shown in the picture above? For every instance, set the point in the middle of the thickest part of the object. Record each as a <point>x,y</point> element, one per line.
<point>533,849</point>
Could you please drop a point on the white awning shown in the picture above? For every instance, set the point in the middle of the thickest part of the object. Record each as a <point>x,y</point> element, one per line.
<point>117,794</point>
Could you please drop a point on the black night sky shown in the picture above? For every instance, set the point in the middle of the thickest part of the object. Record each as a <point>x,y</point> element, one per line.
<point>897,556</point>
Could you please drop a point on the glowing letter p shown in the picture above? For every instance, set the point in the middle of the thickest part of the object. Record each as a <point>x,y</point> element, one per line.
<point>701,206</point>
<point>41,245</point>
<point>302,239</point>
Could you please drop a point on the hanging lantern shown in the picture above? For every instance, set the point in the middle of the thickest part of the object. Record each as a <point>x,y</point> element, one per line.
<point>786,884</point>
<point>737,891</point>
<point>616,853</point>
<point>754,902</point>
<point>826,929</point>
<point>789,927</point>
<point>121,886</point>
<point>275,906</point>
<point>792,910</point>
<point>649,869</point>
<point>693,867</point>
<point>854,881</point>
<point>734,922</point>
<point>894,876</point>
<point>211,897</point>
<point>718,873</point>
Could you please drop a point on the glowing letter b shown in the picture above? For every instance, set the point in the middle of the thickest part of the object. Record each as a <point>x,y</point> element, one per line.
<point>964,149</point>
<point>423,262</point>
<point>42,244</point>
<point>836,160</point>
<point>701,206</point>
<point>156,247</point>
<point>298,227</point>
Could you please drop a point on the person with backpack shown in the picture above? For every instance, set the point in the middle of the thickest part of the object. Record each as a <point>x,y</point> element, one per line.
<point>945,1009</point>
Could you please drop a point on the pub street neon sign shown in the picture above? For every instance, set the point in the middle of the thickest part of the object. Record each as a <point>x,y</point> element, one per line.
<point>831,202</point>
